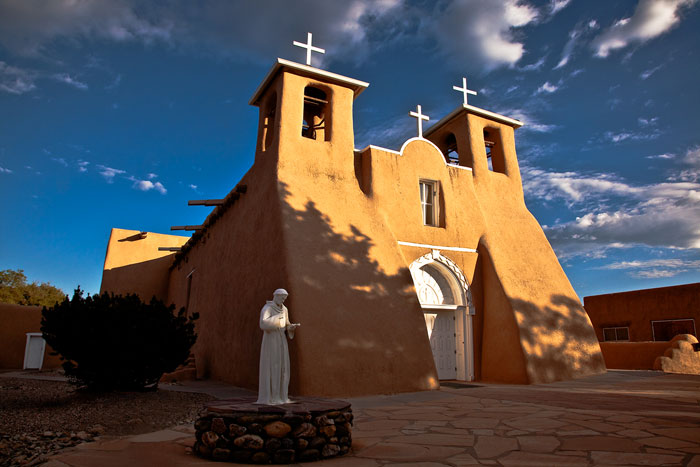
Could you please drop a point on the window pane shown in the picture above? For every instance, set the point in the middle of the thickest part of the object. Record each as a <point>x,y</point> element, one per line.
<point>609,334</point>
<point>667,330</point>
<point>623,334</point>
<point>428,214</point>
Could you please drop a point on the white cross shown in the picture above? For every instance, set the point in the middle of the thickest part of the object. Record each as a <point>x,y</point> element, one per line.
<point>309,48</point>
<point>464,90</point>
<point>420,117</point>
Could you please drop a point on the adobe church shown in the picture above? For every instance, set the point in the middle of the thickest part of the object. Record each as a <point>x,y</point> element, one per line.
<point>404,267</point>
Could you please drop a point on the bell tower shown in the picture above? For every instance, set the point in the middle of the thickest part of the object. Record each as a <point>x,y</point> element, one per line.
<point>305,115</point>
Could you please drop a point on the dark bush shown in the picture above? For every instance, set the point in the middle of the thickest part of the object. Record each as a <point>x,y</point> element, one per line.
<point>112,342</point>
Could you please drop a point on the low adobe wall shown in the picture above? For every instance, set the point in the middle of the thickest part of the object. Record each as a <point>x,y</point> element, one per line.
<point>637,309</point>
<point>632,355</point>
<point>17,321</point>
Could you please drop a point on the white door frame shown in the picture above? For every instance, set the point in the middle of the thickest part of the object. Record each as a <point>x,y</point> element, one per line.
<point>463,308</point>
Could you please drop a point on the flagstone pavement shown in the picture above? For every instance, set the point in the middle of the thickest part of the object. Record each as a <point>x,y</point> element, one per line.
<point>616,419</point>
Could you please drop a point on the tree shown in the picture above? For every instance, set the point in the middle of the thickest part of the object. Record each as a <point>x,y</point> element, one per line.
<point>113,342</point>
<point>14,289</point>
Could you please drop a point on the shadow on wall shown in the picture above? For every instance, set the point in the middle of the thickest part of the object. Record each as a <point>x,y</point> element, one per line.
<point>362,329</point>
<point>557,339</point>
<point>144,278</point>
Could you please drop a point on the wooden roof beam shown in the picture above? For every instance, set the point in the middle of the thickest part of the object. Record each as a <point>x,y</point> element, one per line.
<point>187,227</point>
<point>205,202</point>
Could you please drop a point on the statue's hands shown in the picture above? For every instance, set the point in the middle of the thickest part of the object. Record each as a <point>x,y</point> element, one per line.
<point>293,326</point>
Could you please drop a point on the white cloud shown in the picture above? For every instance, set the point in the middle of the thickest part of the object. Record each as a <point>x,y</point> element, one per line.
<point>691,174</point>
<point>575,36</point>
<point>647,121</point>
<point>82,166</point>
<point>194,187</point>
<point>28,27</point>
<point>115,83</point>
<point>692,157</point>
<point>3,170</point>
<point>651,19</point>
<point>661,156</point>
<point>69,80</point>
<point>60,160</point>
<point>151,176</point>
<point>547,87</point>
<point>655,268</point>
<point>657,215</point>
<point>555,6</point>
<point>146,185</point>
<point>625,135</point>
<point>534,66</point>
<point>647,73</point>
<point>109,173</point>
<point>530,123</point>
<point>16,80</point>
<point>483,32</point>
<point>389,134</point>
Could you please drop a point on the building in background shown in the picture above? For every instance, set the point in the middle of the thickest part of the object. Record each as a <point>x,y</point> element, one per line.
<point>645,315</point>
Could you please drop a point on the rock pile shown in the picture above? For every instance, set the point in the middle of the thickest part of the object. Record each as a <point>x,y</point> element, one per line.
<point>34,449</point>
<point>237,430</point>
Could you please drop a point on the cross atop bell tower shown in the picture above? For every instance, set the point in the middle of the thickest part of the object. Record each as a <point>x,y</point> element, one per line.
<point>464,90</point>
<point>309,48</point>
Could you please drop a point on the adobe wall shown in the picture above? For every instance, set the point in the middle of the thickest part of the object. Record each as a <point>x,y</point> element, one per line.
<point>237,264</point>
<point>632,355</point>
<point>362,329</point>
<point>17,321</point>
<point>134,265</point>
<point>637,309</point>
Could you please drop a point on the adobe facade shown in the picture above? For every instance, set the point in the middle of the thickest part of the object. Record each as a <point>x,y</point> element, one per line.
<point>403,267</point>
<point>657,314</point>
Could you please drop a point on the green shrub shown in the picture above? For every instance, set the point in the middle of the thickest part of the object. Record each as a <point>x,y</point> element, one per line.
<point>113,342</point>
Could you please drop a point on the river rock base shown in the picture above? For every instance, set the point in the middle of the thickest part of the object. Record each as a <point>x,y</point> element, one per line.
<point>309,429</point>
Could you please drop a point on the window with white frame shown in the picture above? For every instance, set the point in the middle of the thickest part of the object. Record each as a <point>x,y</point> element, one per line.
<point>429,201</point>
<point>616,334</point>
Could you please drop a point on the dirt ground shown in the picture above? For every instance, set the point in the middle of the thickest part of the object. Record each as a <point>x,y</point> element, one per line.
<point>40,417</point>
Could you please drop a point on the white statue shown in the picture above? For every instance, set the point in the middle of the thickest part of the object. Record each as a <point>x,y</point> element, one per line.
<point>274,354</point>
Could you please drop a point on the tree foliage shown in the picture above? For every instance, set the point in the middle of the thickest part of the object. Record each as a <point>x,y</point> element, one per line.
<point>15,289</point>
<point>113,342</point>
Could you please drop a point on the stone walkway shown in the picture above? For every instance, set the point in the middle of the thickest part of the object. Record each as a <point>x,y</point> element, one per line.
<point>620,418</point>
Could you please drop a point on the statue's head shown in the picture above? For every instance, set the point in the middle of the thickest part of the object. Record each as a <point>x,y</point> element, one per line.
<point>279,296</point>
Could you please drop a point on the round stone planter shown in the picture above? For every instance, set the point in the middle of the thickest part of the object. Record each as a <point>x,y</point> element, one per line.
<point>237,430</point>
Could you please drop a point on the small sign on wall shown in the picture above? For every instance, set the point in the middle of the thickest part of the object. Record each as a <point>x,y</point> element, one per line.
<point>34,351</point>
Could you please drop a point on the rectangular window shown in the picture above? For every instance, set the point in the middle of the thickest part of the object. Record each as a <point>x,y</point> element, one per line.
<point>616,334</point>
<point>429,201</point>
<point>667,329</point>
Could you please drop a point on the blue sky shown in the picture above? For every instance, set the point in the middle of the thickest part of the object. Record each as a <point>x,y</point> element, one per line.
<point>115,113</point>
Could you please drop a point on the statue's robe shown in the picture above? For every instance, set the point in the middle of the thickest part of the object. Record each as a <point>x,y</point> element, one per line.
<point>274,355</point>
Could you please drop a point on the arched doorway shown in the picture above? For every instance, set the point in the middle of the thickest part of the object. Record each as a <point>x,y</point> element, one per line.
<point>444,296</point>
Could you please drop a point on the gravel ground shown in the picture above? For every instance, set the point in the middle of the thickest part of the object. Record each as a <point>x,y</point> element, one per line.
<point>38,418</point>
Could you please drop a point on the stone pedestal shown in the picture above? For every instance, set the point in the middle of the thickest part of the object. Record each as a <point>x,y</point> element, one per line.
<point>237,430</point>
